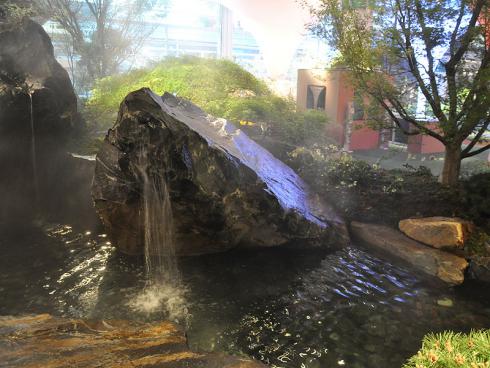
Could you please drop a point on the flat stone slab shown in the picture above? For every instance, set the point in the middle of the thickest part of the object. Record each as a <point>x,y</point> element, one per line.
<point>438,232</point>
<point>49,342</point>
<point>446,266</point>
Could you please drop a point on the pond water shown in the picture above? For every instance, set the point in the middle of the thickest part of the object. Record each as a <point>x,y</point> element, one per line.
<point>287,308</point>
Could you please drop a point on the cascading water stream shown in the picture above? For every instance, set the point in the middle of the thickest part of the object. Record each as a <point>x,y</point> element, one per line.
<point>164,288</point>
<point>33,150</point>
<point>160,258</point>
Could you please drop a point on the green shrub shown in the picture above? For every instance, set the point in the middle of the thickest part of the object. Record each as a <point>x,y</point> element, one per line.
<point>220,87</point>
<point>477,199</point>
<point>328,168</point>
<point>12,13</point>
<point>474,167</point>
<point>477,242</point>
<point>453,350</point>
<point>346,171</point>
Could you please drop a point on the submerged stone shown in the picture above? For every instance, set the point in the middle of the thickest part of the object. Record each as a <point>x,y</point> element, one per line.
<point>225,190</point>
<point>46,341</point>
<point>446,302</point>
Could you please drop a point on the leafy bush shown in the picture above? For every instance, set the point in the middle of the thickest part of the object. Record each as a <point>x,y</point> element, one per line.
<point>477,243</point>
<point>368,193</point>
<point>453,350</point>
<point>329,168</point>
<point>220,87</point>
<point>474,167</point>
<point>12,13</point>
<point>348,172</point>
<point>477,199</point>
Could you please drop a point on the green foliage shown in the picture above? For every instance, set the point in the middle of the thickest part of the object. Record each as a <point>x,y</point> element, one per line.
<point>401,48</point>
<point>474,167</point>
<point>453,350</point>
<point>477,242</point>
<point>13,12</point>
<point>368,193</point>
<point>477,199</point>
<point>348,172</point>
<point>220,87</point>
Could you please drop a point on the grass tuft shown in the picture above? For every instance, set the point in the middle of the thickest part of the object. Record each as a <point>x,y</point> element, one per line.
<point>453,350</point>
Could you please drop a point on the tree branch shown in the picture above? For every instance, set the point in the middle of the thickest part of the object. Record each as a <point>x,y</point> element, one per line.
<point>468,36</point>
<point>428,51</point>
<point>476,152</point>
<point>477,138</point>
<point>408,49</point>
<point>477,98</point>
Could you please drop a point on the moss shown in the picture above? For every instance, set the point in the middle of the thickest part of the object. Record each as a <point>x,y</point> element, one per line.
<point>220,87</point>
<point>453,350</point>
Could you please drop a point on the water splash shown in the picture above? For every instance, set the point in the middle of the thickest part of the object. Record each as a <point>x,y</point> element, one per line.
<point>169,297</point>
<point>164,288</point>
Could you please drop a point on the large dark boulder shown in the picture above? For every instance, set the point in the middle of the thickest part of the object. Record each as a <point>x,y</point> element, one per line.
<point>225,190</point>
<point>38,116</point>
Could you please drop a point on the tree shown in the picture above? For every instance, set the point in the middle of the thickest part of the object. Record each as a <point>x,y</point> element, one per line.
<point>438,48</point>
<point>100,35</point>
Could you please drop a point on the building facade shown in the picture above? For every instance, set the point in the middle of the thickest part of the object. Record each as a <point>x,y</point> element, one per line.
<point>330,91</point>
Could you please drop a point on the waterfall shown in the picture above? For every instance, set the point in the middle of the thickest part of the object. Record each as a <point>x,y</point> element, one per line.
<point>33,151</point>
<point>164,286</point>
<point>160,258</point>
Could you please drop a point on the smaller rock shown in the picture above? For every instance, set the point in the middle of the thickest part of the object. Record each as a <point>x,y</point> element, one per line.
<point>438,232</point>
<point>446,302</point>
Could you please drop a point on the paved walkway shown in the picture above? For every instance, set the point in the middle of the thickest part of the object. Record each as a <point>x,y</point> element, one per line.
<point>392,159</point>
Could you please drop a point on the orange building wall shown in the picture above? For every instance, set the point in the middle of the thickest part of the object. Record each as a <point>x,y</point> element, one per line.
<point>424,144</point>
<point>363,138</point>
<point>339,98</point>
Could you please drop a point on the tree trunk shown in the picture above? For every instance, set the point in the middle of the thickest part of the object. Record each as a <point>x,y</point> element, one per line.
<point>452,166</point>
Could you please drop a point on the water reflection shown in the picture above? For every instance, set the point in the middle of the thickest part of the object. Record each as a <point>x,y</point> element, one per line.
<point>284,307</point>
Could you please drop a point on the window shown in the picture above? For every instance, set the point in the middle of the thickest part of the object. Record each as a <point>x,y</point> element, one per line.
<point>397,134</point>
<point>315,97</point>
<point>358,103</point>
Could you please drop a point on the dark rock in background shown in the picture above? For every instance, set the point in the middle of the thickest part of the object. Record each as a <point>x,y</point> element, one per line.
<point>226,191</point>
<point>38,177</point>
<point>479,268</point>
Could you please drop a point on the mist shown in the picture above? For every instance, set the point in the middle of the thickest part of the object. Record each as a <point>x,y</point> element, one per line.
<point>216,183</point>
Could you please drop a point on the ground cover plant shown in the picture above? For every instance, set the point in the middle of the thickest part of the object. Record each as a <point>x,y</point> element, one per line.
<point>453,350</point>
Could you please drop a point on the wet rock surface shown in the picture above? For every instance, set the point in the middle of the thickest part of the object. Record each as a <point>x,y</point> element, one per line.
<point>49,342</point>
<point>447,267</point>
<point>38,115</point>
<point>438,232</point>
<point>226,190</point>
<point>479,268</point>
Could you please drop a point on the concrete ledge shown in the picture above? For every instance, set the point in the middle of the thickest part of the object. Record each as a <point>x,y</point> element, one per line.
<point>447,267</point>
